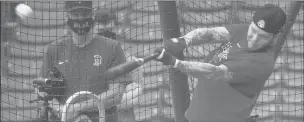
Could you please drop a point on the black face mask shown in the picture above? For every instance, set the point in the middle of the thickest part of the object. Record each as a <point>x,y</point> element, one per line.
<point>80,27</point>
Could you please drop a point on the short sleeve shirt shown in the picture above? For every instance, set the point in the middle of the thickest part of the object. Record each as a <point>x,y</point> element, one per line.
<point>215,100</point>
<point>248,70</point>
<point>82,68</point>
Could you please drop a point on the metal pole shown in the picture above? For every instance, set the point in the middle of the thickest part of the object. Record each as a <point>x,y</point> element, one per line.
<point>4,65</point>
<point>234,12</point>
<point>291,13</point>
<point>178,80</point>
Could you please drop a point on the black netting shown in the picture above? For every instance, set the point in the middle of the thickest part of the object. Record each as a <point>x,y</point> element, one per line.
<point>137,28</point>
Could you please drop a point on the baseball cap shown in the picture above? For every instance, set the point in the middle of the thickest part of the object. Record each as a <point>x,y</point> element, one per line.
<point>72,5</point>
<point>270,18</point>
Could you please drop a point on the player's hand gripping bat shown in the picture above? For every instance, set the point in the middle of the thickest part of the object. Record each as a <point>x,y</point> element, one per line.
<point>127,67</point>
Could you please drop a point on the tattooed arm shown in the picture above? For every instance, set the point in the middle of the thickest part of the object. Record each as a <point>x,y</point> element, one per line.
<point>199,69</point>
<point>207,35</point>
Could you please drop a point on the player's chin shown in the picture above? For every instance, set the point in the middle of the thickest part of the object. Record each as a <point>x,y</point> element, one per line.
<point>253,47</point>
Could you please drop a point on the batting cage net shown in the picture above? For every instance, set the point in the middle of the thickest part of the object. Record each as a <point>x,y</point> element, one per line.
<point>136,27</point>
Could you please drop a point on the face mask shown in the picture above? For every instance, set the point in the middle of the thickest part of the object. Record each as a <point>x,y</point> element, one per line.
<point>81,27</point>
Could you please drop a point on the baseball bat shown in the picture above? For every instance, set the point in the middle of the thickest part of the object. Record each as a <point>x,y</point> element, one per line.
<point>127,67</point>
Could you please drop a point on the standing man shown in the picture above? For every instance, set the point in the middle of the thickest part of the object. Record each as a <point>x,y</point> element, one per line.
<point>232,76</point>
<point>82,55</point>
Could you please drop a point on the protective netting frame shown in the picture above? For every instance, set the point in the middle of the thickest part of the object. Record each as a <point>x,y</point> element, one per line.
<point>146,11</point>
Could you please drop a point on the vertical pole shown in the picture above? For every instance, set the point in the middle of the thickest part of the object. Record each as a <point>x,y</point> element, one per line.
<point>234,15</point>
<point>3,57</point>
<point>178,80</point>
<point>2,47</point>
<point>292,11</point>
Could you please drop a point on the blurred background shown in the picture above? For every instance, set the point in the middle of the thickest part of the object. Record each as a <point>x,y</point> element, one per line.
<point>136,25</point>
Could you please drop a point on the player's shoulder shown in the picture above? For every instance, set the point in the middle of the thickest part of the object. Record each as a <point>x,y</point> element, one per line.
<point>58,44</point>
<point>61,41</point>
<point>107,42</point>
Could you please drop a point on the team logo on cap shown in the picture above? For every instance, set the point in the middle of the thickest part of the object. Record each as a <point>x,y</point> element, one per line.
<point>97,60</point>
<point>261,24</point>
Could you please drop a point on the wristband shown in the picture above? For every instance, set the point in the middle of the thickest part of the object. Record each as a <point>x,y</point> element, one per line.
<point>176,63</point>
<point>161,54</point>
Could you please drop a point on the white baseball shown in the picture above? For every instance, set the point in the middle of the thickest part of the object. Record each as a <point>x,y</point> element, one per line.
<point>23,10</point>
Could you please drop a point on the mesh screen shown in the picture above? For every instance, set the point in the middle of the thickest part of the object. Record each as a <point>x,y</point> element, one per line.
<point>136,27</point>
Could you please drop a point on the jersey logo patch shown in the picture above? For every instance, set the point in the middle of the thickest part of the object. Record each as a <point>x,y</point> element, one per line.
<point>223,55</point>
<point>225,52</point>
<point>97,60</point>
<point>216,56</point>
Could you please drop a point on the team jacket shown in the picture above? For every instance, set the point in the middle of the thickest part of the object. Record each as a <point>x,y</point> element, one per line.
<point>233,100</point>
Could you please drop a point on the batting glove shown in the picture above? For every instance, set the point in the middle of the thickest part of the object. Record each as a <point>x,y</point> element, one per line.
<point>165,57</point>
<point>175,45</point>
